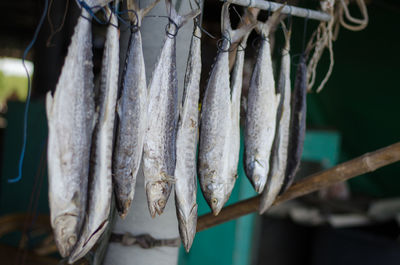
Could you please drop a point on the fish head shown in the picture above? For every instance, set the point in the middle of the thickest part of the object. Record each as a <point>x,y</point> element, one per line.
<point>157,195</point>
<point>65,233</point>
<point>187,226</point>
<point>215,195</point>
<point>257,172</point>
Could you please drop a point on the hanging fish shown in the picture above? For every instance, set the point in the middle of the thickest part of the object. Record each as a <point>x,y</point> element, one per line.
<point>280,147</point>
<point>186,144</point>
<point>70,114</point>
<point>100,180</point>
<point>262,104</point>
<point>160,141</point>
<point>236,91</point>
<point>214,165</point>
<point>297,123</point>
<point>132,114</point>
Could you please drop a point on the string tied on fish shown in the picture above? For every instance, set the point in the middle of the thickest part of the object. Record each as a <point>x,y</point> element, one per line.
<point>171,29</point>
<point>90,9</point>
<point>28,98</point>
<point>221,43</point>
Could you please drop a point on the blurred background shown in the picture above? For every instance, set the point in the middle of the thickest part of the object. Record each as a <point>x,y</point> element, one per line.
<point>356,222</point>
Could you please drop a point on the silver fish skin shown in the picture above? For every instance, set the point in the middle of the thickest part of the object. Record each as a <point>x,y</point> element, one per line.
<point>100,180</point>
<point>159,149</point>
<point>216,178</point>
<point>297,123</point>
<point>262,103</point>
<point>280,147</point>
<point>236,92</point>
<point>70,115</point>
<point>132,116</point>
<point>186,146</point>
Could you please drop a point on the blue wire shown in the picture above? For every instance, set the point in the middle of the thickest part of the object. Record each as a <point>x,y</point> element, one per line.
<point>21,159</point>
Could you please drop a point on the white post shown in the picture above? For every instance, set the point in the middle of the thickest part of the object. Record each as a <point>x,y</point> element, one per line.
<point>138,220</point>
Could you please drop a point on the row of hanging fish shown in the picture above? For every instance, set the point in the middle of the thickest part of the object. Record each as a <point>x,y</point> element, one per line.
<point>92,152</point>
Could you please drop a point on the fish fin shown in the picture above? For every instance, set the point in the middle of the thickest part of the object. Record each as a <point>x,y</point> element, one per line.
<point>119,109</point>
<point>49,104</point>
<point>264,27</point>
<point>242,32</point>
<point>277,99</point>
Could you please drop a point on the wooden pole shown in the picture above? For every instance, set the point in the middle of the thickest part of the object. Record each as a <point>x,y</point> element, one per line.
<point>366,163</point>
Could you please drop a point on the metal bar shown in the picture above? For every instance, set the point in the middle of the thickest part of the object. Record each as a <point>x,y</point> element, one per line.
<point>289,10</point>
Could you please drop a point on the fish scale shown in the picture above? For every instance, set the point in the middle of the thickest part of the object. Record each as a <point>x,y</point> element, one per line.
<point>186,146</point>
<point>262,103</point>
<point>70,115</point>
<point>280,147</point>
<point>100,180</point>
<point>159,149</point>
<point>215,166</point>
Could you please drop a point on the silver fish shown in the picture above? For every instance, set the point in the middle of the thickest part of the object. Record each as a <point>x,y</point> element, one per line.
<point>280,146</point>
<point>186,146</point>
<point>297,123</point>
<point>100,180</point>
<point>262,103</point>
<point>160,141</point>
<point>132,114</point>
<point>70,115</point>
<point>236,87</point>
<point>216,178</point>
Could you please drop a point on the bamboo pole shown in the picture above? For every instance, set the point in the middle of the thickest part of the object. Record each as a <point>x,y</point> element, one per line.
<point>366,163</point>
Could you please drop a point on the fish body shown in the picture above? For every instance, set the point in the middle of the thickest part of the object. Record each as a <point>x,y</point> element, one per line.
<point>159,149</point>
<point>186,146</point>
<point>262,103</point>
<point>214,165</point>
<point>70,114</point>
<point>297,123</point>
<point>280,147</point>
<point>100,180</point>
<point>236,91</point>
<point>132,116</point>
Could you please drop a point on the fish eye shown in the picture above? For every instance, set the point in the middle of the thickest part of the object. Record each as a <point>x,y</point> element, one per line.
<point>161,202</point>
<point>72,240</point>
<point>214,200</point>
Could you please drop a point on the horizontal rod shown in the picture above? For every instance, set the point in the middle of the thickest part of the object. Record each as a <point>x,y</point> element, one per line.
<point>363,164</point>
<point>289,10</point>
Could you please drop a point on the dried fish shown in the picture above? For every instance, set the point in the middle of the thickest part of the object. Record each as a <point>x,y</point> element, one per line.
<point>70,115</point>
<point>236,88</point>
<point>160,141</point>
<point>262,103</point>
<point>280,147</point>
<point>297,123</point>
<point>100,181</point>
<point>186,145</point>
<point>216,178</point>
<point>132,114</point>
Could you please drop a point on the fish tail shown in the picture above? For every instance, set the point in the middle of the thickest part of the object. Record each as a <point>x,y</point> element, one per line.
<point>146,10</point>
<point>287,32</point>
<point>177,19</point>
<point>225,20</point>
<point>264,27</point>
